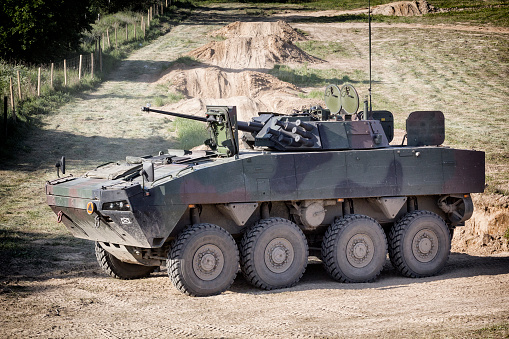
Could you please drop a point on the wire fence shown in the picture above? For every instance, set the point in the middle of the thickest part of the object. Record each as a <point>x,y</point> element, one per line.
<point>30,82</point>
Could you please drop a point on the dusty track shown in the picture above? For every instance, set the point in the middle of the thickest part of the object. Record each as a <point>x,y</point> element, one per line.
<point>64,294</point>
<point>77,300</point>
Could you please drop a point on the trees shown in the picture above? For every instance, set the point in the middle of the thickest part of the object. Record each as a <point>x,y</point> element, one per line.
<point>42,30</point>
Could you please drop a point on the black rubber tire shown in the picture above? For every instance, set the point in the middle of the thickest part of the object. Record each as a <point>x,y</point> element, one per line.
<point>271,269</point>
<point>354,233</point>
<point>185,260</point>
<point>404,246</point>
<point>119,269</point>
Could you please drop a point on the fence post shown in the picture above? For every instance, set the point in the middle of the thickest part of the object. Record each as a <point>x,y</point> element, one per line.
<point>39,82</point>
<point>116,45</point>
<point>134,28</point>
<point>65,72</point>
<point>100,59</point>
<point>148,18</point>
<point>143,27</point>
<point>103,41</point>
<point>92,64</point>
<point>108,36</point>
<point>12,100</point>
<point>19,85</point>
<point>126,35</point>
<point>5,117</point>
<point>162,11</point>
<point>79,68</point>
<point>51,76</point>
<point>166,3</point>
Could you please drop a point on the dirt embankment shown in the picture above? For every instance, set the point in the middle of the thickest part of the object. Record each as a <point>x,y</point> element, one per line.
<point>405,8</point>
<point>233,71</point>
<point>487,231</point>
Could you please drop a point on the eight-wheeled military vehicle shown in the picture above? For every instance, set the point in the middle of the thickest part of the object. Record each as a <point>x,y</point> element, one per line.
<point>321,182</point>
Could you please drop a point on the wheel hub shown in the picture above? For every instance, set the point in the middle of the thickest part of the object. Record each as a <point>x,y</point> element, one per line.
<point>279,255</point>
<point>425,245</point>
<point>208,262</point>
<point>359,250</point>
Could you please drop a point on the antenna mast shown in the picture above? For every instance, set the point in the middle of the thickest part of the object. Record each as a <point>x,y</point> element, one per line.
<point>369,32</point>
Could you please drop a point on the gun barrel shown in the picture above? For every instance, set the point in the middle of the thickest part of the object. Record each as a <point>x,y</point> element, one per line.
<point>251,126</point>
<point>180,115</point>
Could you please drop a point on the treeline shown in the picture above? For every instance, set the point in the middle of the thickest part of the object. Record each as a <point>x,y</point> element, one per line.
<point>39,31</point>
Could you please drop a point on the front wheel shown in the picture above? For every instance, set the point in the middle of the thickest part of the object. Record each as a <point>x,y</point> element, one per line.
<point>419,244</point>
<point>119,269</point>
<point>203,261</point>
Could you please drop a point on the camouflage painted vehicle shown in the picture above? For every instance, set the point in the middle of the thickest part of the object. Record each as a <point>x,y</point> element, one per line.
<point>321,182</point>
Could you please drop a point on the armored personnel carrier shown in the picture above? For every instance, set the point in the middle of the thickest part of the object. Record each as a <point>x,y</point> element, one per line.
<point>321,182</point>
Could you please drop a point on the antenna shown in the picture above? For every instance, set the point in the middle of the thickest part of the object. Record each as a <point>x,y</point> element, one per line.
<point>369,32</point>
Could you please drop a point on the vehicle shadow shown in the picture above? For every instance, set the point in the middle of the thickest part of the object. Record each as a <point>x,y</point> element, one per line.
<point>460,265</point>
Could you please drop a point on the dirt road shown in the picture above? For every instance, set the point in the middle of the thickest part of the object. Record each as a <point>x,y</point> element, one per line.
<point>76,300</point>
<point>57,290</point>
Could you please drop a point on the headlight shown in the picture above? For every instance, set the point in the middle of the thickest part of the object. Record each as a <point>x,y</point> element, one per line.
<point>117,206</point>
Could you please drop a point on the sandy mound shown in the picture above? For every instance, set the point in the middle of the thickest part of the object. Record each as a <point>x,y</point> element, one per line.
<point>250,91</point>
<point>404,8</point>
<point>229,81</point>
<point>213,82</point>
<point>486,231</point>
<point>256,29</point>
<point>251,52</point>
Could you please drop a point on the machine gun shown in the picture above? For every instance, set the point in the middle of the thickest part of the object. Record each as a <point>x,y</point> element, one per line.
<point>314,129</point>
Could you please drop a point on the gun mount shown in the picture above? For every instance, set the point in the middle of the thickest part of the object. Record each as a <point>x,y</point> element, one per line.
<point>314,129</point>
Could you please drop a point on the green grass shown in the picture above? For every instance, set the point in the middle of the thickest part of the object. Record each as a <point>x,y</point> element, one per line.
<point>314,94</point>
<point>305,76</point>
<point>190,133</point>
<point>495,331</point>
<point>324,49</point>
<point>472,12</point>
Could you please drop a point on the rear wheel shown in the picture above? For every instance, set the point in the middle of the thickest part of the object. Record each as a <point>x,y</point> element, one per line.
<point>274,254</point>
<point>419,244</point>
<point>203,261</point>
<point>354,249</point>
<point>119,269</point>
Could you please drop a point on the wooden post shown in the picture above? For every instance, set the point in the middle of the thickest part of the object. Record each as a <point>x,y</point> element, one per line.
<point>51,76</point>
<point>103,41</point>
<point>166,3</point>
<point>92,64</point>
<point>126,35</point>
<point>12,95</point>
<point>79,68</point>
<point>12,101</point>
<point>65,72</point>
<point>100,60</point>
<point>5,116</point>
<point>108,37</point>
<point>148,18</point>
<point>19,85</point>
<point>143,26</point>
<point>116,45</point>
<point>134,27</point>
<point>39,82</point>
